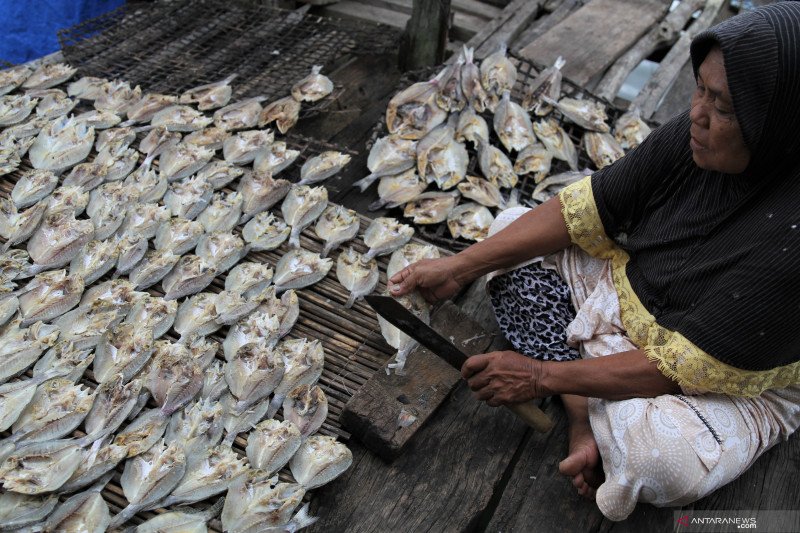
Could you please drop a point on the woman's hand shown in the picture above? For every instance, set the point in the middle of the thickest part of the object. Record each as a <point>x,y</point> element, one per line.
<point>435,279</point>
<point>502,378</point>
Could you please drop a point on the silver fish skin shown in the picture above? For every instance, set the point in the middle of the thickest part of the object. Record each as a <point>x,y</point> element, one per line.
<point>301,207</point>
<point>148,106</point>
<point>394,191</point>
<point>86,512</point>
<point>191,275</point>
<point>118,163</point>
<point>253,372</point>
<point>470,221</point>
<point>123,350</point>
<point>180,118</point>
<point>94,260</point>
<point>320,460</point>
<point>209,96</point>
<point>9,157</point>
<point>536,160</point>
<point>21,346</point>
<point>98,459</point>
<point>141,434</point>
<point>174,379</point>
<point>271,444</point>
<point>13,77</point>
<point>18,511</point>
<point>72,197</point>
<point>223,213</point>
<point>398,340</point>
<point>587,114</point>
<point>413,112</point>
<point>130,251</point>
<point>178,235</point>
<point>49,295</point>
<point>16,227</point>
<point>249,279</point>
<point>274,158</point>
<point>306,407</point>
<point>496,166</point>
<point>313,87</point>
<point>65,359</point>
<point>86,88</point>
<point>286,309</point>
<point>198,427</point>
<point>149,477</point>
<point>409,254</point>
<point>84,327</point>
<point>389,156</point>
<point>113,402</point>
<point>256,503</point>
<point>546,84</point>
<point>241,148</point>
<point>16,108</point>
<point>239,115</point>
<point>498,74</point>
<point>630,130</point>
<point>197,316</point>
<point>55,105</point>
<point>232,306</point>
<point>299,268</point>
<point>87,176</point>
<point>61,144</point>
<point>15,397</point>
<point>214,385</point>
<point>431,207</point>
<point>513,125</point>
<point>117,97</point>
<point>219,173</point>
<point>40,467</point>
<point>358,276</point>
<point>602,148</point>
<point>258,327</point>
<point>156,142</point>
<point>183,160</point>
<point>154,313</point>
<point>322,167</point>
<point>99,120</point>
<point>559,181</point>
<point>211,138</point>
<point>385,235</point>
<point>482,191</point>
<point>9,306</point>
<point>335,226</point>
<point>107,208</point>
<point>265,232</point>
<point>221,250</point>
<point>471,85</point>
<point>260,192</point>
<point>471,127</point>
<point>152,268</point>
<point>188,198</point>
<point>57,408</point>
<point>236,423</point>
<point>284,112</point>
<point>180,521</point>
<point>116,294</point>
<point>303,362</point>
<point>144,219</point>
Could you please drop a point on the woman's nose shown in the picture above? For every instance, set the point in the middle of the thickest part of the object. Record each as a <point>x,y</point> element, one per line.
<point>698,114</point>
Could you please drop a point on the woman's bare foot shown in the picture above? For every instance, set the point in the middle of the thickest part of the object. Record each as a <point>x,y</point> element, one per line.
<point>582,463</point>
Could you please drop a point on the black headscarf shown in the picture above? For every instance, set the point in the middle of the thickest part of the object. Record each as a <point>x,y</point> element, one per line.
<point>716,256</point>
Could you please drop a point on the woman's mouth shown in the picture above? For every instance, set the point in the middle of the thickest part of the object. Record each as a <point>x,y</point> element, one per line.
<point>696,145</point>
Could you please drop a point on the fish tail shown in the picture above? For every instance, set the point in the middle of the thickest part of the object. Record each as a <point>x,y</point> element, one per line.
<point>274,405</point>
<point>123,516</point>
<point>364,183</point>
<point>351,300</point>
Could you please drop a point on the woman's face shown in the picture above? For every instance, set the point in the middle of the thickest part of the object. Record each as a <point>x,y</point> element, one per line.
<point>716,139</point>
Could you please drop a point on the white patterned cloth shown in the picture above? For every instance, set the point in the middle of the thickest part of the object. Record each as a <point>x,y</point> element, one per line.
<point>672,449</point>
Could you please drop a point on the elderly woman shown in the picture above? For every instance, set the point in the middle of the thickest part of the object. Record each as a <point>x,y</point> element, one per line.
<point>660,297</point>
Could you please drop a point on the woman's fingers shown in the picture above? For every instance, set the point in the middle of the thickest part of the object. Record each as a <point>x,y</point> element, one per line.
<point>473,365</point>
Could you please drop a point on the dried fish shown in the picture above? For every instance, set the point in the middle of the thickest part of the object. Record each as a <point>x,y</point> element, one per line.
<point>113,402</point>
<point>274,158</point>
<point>183,160</point>
<point>221,250</point>
<point>16,227</point>
<point>124,349</point>
<point>107,208</point>
<point>536,160</point>
<point>283,112</point>
<point>94,260</point>
<point>11,78</point>
<point>23,130</point>
<point>9,157</point>
<point>61,144</point>
<point>142,434</point>
<point>557,142</point>
<point>255,503</point>
<point>385,235</point>
<point>442,159</point>
<point>265,232</point>
<point>18,511</point>
<point>271,444</point>
<point>240,115</point>
<point>211,138</point>
<point>322,167</point>
<point>99,120</point>
<point>546,84</point>
<point>149,477</point>
<point>498,75</point>
<point>21,346</point>
<point>300,268</point>
<point>14,264</point>
<point>115,139</point>
<point>210,95</point>
<point>198,427</point>
<point>87,176</point>
<point>214,384</point>
<point>409,254</point>
<point>100,458</point>
<point>451,96</point>
<point>313,87</point>
<point>159,140</point>
<point>396,190</point>
<point>559,181</point>
<point>219,173</point>
<point>235,422</point>
<point>336,226</point>
<point>72,197</point>
<point>181,521</point>
<point>84,327</point>
<point>248,279</point>
<point>15,108</point>
<point>180,118</point>
<point>482,191</point>
<point>471,127</point>
<point>211,475</point>
<point>57,408</point>
<point>389,156</point>
<point>197,316</point>
<point>145,219</point>
<point>86,88</point>
<point>496,166</point>
<point>178,235</point>
<point>66,360</point>
<point>9,305</point>
<point>413,112</point>
<point>307,407</point>
<point>174,378</point>
<point>54,105</point>
<point>431,207</point>
<point>86,512</point>
<point>152,268</point>
<point>399,340</point>
<point>286,309</point>
<point>117,97</point>
<point>223,213</point>
<point>602,148</point>
<point>130,251</point>
<point>241,148</point>
<point>587,114</point>
<point>303,361</point>
<point>252,374</point>
<point>191,275</point>
<point>470,221</point>
<point>49,295</point>
<point>15,397</point>
<point>471,84</point>
<point>301,207</point>
<point>260,192</point>
<point>40,467</point>
<point>188,198</point>
<point>630,130</point>
<point>148,106</point>
<point>117,294</point>
<point>118,164</point>
<point>153,312</point>
<point>513,125</point>
<point>259,326</point>
<point>320,460</point>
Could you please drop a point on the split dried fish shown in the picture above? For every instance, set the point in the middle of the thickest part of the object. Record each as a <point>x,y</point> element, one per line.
<point>236,423</point>
<point>130,251</point>
<point>303,361</point>
<point>113,402</point>
<point>188,198</point>
<point>49,295</point>
<point>15,108</point>
<point>536,160</point>
<point>271,444</point>
<point>396,190</point>
<point>546,84</point>
<point>259,326</point>
<point>389,156</point>
<point>482,191</point>
<point>86,88</point>
<point>24,130</point>
<point>471,127</point>
<point>84,327</point>
<point>197,316</point>
<point>119,163</point>
<point>55,105</point>
<point>286,309</point>
<point>15,397</point>
<point>14,264</point>
<point>107,208</point>
<point>256,503</point>
<point>451,96</point>
<point>148,106</point>
<point>513,125</point>
<point>322,167</point>
<point>87,176</point>
<point>442,159</point>
<point>431,207</point>
<point>239,115</point>
<point>470,221</point>
<point>320,460</point>
<point>174,379</point>
<point>301,207</point>
<point>221,250</point>
<point>152,268</point>
<point>13,77</point>
<point>145,219</point>
<point>496,166</point>
<point>498,75</point>
<point>115,139</point>
<point>198,427</point>
<point>153,312</point>
<point>587,114</point>
<point>313,87</point>
<point>630,130</point>
<point>471,84</point>
<point>219,173</point>
<point>385,235</point>
<point>241,148</point>
<point>248,279</point>
<point>61,144</point>
<point>148,477</point>
<point>223,213</point>
<point>557,142</point>
<point>21,346</point>
<point>117,294</point>
<point>72,197</point>
<point>191,275</point>
<point>335,226</point>
<point>99,120</point>
<point>211,475</point>
<point>399,340</point>
<point>86,512</point>
<point>214,384</point>
<point>602,148</point>
<point>40,467</point>
<point>159,140</point>
<point>9,305</point>
<point>65,359</point>
<point>254,371</point>
<point>300,268</point>
<point>274,158</point>
<point>57,408</point>
<point>265,232</point>
<point>123,350</point>
<point>180,118</point>
<point>306,407</point>
<point>94,260</point>
<point>211,138</point>
<point>16,227</point>
<point>142,434</point>
<point>9,157</point>
<point>18,511</point>
<point>283,112</point>
<point>181,521</point>
<point>260,192</point>
<point>557,181</point>
<point>178,235</point>
<point>183,160</point>
<point>210,95</point>
<point>409,254</point>
<point>99,459</point>
<point>117,97</point>
<point>413,112</point>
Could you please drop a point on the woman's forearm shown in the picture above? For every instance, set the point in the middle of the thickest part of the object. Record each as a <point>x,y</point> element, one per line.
<point>614,377</point>
<point>540,231</point>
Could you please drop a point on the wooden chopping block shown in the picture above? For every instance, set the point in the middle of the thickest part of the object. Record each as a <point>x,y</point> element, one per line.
<point>373,413</point>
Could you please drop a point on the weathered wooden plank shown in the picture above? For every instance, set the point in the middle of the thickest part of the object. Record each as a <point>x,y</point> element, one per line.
<point>595,36</point>
<point>425,37</point>
<point>505,27</point>
<point>555,12</point>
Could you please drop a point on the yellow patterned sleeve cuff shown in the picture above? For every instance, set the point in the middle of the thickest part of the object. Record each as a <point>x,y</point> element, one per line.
<point>583,220</point>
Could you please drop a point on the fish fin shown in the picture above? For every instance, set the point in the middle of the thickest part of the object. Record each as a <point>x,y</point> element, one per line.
<point>364,183</point>
<point>351,300</point>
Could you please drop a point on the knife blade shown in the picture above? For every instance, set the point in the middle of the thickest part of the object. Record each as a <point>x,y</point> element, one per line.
<point>404,320</point>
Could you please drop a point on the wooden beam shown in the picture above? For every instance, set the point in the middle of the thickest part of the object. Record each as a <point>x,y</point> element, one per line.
<point>425,38</point>
<point>505,27</point>
<point>555,13</point>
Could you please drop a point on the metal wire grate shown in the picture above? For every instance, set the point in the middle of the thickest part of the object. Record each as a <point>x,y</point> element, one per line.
<point>169,46</point>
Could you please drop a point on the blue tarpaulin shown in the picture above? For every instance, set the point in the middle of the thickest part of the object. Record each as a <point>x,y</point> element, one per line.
<point>28,27</point>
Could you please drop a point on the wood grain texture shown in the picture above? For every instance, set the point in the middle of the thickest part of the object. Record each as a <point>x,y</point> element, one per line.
<point>555,12</point>
<point>594,36</point>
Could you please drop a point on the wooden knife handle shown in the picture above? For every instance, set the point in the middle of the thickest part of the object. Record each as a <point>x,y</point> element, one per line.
<point>530,413</point>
